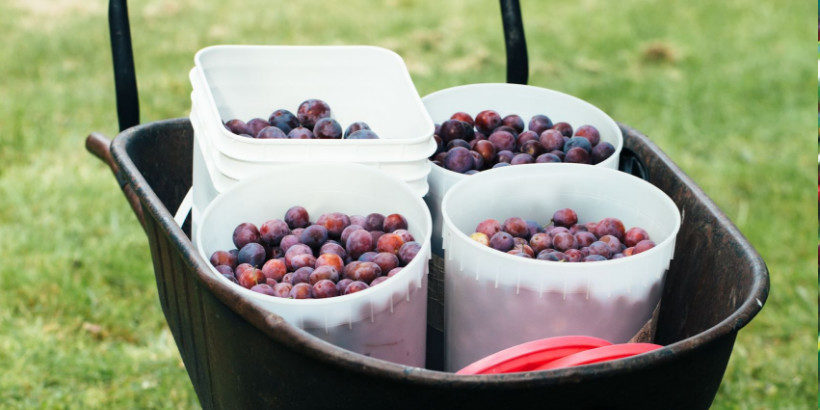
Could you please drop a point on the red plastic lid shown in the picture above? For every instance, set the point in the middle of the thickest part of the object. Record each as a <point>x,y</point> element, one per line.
<point>530,355</point>
<point>600,354</point>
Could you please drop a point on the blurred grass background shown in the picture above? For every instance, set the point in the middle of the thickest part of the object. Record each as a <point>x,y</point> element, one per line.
<point>725,88</point>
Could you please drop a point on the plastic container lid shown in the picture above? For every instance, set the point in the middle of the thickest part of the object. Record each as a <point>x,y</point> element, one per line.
<point>555,353</point>
<point>531,355</point>
<point>601,354</point>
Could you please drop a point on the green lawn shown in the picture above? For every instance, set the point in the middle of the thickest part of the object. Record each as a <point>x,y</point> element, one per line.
<point>725,88</point>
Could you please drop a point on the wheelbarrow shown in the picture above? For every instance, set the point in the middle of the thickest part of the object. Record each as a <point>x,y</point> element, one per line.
<point>715,286</point>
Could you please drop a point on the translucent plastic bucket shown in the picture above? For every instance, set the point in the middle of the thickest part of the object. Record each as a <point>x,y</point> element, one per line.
<point>496,300</point>
<point>506,99</point>
<point>387,321</point>
<point>360,83</point>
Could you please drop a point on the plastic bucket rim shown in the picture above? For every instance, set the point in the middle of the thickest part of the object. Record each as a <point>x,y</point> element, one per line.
<point>611,122</point>
<point>262,298</point>
<point>450,225</point>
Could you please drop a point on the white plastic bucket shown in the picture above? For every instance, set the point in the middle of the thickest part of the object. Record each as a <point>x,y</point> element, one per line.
<point>495,300</point>
<point>360,83</point>
<point>506,99</point>
<point>387,321</point>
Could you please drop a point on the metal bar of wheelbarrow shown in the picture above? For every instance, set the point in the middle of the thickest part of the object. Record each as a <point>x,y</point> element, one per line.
<point>240,356</point>
<point>125,78</point>
<point>515,42</point>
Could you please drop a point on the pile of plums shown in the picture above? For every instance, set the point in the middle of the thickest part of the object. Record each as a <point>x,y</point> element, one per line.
<point>336,255</point>
<point>468,146</point>
<point>563,239</point>
<point>312,121</point>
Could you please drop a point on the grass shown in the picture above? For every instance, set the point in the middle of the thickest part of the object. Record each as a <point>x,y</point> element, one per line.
<point>725,88</point>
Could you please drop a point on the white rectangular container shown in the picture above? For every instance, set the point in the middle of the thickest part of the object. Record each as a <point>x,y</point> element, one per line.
<point>360,83</point>
<point>413,171</point>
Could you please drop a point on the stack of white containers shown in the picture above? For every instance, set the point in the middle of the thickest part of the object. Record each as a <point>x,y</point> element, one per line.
<point>360,83</point>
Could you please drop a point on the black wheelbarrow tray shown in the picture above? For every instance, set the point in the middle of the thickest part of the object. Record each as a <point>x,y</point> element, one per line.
<point>239,356</point>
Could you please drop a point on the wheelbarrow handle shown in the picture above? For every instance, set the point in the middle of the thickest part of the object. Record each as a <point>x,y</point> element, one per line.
<point>515,42</point>
<point>100,146</point>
